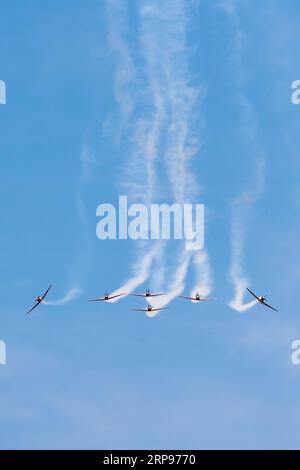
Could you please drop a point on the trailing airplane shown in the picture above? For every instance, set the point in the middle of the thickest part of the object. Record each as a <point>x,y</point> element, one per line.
<point>148,293</point>
<point>39,300</point>
<point>106,297</point>
<point>262,300</point>
<point>197,298</point>
<point>148,309</point>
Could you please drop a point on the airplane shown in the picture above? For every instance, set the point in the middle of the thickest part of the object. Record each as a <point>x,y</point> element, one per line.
<point>197,298</point>
<point>148,293</point>
<point>106,297</point>
<point>39,300</point>
<point>262,300</point>
<point>148,309</point>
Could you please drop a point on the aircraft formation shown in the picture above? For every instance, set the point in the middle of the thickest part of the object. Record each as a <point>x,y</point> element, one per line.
<point>147,295</point>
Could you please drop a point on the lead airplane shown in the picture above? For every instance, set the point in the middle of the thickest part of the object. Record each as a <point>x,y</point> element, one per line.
<point>261,299</point>
<point>106,297</point>
<point>197,298</point>
<point>148,309</point>
<point>147,294</point>
<point>39,300</point>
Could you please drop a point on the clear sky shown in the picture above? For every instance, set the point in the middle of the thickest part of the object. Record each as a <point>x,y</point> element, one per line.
<point>163,101</point>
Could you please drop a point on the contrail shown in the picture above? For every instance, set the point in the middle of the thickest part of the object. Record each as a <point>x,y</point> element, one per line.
<point>141,271</point>
<point>242,204</point>
<point>125,73</point>
<point>167,123</point>
<point>177,283</point>
<point>82,261</point>
<point>203,274</point>
<point>240,209</point>
<point>185,123</point>
<point>72,294</point>
<point>140,173</point>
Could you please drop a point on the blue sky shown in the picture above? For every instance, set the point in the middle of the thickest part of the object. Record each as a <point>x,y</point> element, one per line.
<point>162,101</point>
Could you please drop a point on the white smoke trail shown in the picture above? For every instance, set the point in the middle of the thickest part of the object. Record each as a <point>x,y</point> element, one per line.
<point>81,262</point>
<point>176,286</point>
<point>171,119</point>
<point>203,274</point>
<point>140,181</point>
<point>241,207</point>
<point>141,271</point>
<point>184,128</point>
<point>125,74</point>
<point>72,294</point>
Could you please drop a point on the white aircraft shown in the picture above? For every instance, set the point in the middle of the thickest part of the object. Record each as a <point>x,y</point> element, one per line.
<point>148,309</point>
<point>197,298</point>
<point>147,294</point>
<point>106,297</point>
<point>262,300</point>
<point>39,300</point>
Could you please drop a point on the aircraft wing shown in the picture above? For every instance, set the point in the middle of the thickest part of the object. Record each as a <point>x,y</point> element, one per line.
<point>269,306</point>
<point>115,296</point>
<point>149,295</point>
<point>141,310</point>
<point>189,298</point>
<point>46,292</point>
<point>29,311</point>
<point>97,300</point>
<point>252,293</point>
<point>146,310</point>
